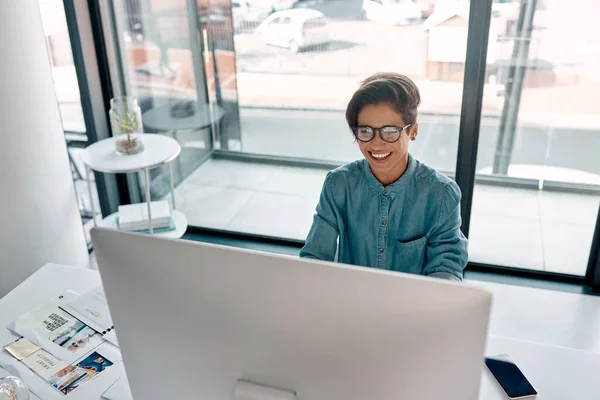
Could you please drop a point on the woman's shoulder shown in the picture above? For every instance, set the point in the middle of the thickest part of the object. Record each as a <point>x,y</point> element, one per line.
<point>435,179</point>
<point>345,176</point>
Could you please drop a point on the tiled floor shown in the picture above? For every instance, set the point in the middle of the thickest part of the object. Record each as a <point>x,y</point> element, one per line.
<point>523,228</point>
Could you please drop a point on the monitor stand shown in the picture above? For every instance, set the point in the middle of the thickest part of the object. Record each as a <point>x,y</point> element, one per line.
<point>245,390</point>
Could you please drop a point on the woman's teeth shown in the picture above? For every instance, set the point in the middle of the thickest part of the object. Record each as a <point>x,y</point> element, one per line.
<point>380,156</point>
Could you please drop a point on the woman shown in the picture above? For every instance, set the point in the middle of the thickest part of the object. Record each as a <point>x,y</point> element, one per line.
<point>388,210</point>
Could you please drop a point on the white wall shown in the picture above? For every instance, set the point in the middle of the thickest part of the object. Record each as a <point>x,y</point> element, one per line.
<point>39,219</point>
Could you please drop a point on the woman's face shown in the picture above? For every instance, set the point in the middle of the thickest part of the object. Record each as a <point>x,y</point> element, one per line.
<point>387,160</point>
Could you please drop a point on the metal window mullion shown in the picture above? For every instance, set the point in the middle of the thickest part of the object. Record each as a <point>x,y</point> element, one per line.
<point>592,275</point>
<point>470,119</point>
<point>92,92</point>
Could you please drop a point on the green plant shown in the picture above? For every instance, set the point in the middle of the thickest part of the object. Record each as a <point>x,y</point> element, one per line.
<point>125,121</point>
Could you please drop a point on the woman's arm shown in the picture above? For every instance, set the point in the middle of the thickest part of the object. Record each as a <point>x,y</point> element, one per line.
<point>447,247</point>
<point>321,242</point>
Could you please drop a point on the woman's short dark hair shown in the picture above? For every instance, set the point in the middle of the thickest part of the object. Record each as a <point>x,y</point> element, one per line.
<point>385,87</point>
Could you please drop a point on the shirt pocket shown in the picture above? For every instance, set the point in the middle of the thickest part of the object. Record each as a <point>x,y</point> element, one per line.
<point>410,255</point>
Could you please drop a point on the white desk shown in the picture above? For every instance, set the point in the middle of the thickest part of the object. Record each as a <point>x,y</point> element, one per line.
<point>558,373</point>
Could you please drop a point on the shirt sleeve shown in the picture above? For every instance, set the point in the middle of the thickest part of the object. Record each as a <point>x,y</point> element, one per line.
<point>447,247</point>
<point>321,242</point>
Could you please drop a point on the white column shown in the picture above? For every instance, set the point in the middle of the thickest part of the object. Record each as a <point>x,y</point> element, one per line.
<point>39,218</point>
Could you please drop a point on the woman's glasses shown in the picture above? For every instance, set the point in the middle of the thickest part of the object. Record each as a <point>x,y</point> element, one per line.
<point>388,134</point>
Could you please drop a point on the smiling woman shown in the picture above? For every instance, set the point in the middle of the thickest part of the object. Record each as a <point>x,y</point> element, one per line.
<point>388,211</point>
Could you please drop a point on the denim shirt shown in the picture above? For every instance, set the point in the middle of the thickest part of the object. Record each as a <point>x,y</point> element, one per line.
<point>411,225</point>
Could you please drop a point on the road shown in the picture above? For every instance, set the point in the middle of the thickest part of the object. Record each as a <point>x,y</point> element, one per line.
<point>324,135</point>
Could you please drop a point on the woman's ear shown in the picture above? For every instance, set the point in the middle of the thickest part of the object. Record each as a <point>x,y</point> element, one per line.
<point>414,131</point>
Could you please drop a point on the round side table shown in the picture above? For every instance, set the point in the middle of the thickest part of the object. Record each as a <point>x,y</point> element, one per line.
<point>158,150</point>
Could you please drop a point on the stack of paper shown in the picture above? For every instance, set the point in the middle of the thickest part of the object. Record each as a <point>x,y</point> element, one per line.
<point>134,217</point>
<point>58,354</point>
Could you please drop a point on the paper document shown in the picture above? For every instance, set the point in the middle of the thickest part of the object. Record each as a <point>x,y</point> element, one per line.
<point>56,331</point>
<point>92,309</point>
<point>21,349</point>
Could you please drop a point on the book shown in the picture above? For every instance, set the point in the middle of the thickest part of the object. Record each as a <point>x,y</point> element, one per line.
<point>135,216</point>
<point>91,308</point>
<point>171,227</point>
<point>56,331</point>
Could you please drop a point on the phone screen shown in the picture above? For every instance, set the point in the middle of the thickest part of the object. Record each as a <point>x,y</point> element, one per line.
<point>509,376</point>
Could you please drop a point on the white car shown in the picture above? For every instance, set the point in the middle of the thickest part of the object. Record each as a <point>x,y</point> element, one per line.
<point>397,12</point>
<point>295,29</point>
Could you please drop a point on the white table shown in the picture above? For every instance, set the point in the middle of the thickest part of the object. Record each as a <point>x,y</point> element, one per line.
<point>158,150</point>
<point>558,373</point>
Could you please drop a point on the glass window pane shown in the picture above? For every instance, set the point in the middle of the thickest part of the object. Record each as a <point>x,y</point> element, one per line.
<point>170,52</point>
<point>281,76</point>
<point>63,68</point>
<point>295,82</point>
<point>541,127</point>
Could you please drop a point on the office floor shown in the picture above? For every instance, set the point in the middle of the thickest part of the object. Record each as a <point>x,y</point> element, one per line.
<point>539,230</point>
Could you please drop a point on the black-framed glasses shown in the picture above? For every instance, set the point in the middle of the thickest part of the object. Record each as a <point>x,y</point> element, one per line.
<point>388,134</point>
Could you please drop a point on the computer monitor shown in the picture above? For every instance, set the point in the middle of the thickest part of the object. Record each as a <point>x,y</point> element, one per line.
<point>201,321</point>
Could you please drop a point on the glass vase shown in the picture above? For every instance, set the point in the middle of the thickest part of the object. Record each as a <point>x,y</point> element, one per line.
<point>126,122</point>
<point>13,388</point>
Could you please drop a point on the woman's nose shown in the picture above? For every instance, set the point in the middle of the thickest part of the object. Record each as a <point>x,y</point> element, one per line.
<point>377,141</point>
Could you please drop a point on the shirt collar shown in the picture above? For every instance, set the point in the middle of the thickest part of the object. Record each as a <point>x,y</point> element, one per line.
<point>394,188</point>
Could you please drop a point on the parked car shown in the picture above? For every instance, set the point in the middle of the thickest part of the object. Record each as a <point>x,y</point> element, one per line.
<point>397,12</point>
<point>296,29</point>
<point>246,14</point>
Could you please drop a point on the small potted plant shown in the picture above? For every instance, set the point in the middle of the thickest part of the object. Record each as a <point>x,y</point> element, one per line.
<point>126,121</point>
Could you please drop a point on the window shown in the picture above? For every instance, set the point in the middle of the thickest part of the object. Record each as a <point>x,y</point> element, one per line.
<point>282,94</point>
<point>308,90</point>
<point>277,100</point>
<point>539,135</point>
<point>178,62</point>
<point>63,68</point>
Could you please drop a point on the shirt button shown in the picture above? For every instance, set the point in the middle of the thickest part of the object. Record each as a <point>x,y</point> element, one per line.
<point>384,222</point>
<point>381,250</point>
<point>385,190</point>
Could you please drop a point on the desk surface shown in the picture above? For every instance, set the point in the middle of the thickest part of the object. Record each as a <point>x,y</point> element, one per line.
<point>557,372</point>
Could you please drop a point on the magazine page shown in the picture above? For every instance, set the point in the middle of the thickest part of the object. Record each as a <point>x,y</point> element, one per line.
<point>74,376</point>
<point>92,309</point>
<point>56,331</point>
<point>66,378</point>
<point>88,386</point>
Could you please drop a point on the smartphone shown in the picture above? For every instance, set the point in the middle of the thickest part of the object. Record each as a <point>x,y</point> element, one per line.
<point>510,377</point>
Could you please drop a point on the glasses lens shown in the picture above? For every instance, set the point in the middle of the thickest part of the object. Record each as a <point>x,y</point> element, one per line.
<point>364,133</point>
<point>390,133</point>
